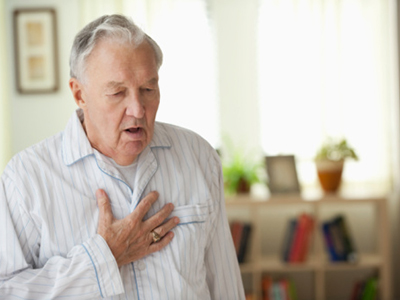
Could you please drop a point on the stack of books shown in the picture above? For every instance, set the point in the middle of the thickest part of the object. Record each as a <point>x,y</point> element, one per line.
<point>338,240</point>
<point>297,239</point>
<point>241,236</point>
<point>365,289</point>
<point>282,289</point>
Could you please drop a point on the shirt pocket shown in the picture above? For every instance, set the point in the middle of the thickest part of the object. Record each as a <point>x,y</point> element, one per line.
<point>191,214</point>
<point>191,233</point>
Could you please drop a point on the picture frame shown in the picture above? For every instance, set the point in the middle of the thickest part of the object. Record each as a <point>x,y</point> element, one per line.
<point>36,53</point>
<point>282,174</point>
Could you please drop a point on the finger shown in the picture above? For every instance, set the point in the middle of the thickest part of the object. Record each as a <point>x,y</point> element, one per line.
<point>166,227</point>
<point>159,217</point>
<point>154,247</point>
<point>105,212</point>
<point>144,205</point>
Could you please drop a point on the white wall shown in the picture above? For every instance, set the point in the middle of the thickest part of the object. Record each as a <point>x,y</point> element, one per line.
<point>35,117</point>
<point>5,151</point>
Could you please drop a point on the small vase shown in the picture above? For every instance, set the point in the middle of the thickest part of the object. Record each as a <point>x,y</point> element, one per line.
<point>243,186</point>
<point>330,174</point>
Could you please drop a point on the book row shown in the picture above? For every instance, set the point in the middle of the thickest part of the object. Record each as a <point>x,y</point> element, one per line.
<point>366,289</point>
<point>298,237</point>
<point>281,289</point>
<point>338,240</point>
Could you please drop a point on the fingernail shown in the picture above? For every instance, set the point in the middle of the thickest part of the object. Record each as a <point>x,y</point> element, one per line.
<point>171,206</point>
<point>176,220</point>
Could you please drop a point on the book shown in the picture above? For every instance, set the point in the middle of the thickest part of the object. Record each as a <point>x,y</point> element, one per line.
<point>266,284</point>
<point>236,231</point>
<point>370,289</point>
<point>329,241</point>
<point>282,289</point>
<point>350,254</point>
<point>240,235</point>
<point>301,239</point>
<point>365,289</point>
<point>338,240</point>
<point>287,244</point>
<point>306,240</point>
<point>244,242</point>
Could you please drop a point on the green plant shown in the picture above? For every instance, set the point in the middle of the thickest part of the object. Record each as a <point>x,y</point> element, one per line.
<point>240,173</point>
<point>336,150</point>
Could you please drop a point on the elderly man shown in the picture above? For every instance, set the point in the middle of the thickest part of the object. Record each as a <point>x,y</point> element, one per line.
<point>116,206</point>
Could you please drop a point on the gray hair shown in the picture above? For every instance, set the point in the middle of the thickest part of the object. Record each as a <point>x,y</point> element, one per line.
<point>115,27</point>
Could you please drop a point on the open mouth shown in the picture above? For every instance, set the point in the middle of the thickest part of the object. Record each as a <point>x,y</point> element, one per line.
<point>133,130</point>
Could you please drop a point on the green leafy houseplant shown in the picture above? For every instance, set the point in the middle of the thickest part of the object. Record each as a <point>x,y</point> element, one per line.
<point>330,161</point>
<point>336,151</point>
<point>240,173</point>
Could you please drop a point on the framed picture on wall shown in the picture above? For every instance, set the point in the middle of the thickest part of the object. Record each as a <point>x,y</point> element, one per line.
<point>282,174</point>
<point>35,41</point>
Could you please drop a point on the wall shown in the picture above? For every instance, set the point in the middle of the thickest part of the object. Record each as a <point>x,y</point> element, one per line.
<point>5,151</point>
<point>35,117</point>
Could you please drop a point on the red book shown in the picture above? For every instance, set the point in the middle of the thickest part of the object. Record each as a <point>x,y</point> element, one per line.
<point>300,240</point>
<point>266,287</point>
<point>285,289</point>
<point>236,230</point>
<point>306,241</point>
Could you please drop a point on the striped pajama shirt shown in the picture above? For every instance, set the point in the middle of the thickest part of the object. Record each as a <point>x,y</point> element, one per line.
<point>49,248</point>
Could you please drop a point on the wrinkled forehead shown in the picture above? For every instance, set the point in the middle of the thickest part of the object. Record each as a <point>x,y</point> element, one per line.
<point>112,61</point>
<point>103,53</point>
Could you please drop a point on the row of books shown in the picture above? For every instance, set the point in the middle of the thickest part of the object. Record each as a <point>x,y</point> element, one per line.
<point>338,240</point>
<point>365,289</point>
<point>241,237</point>
<point>282,289</point>
<point>298,238</point>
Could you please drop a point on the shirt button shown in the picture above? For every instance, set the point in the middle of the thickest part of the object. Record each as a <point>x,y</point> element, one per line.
<point>140,265</point>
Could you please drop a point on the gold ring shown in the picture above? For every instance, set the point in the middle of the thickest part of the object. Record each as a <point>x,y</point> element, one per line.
<point>156,237</point>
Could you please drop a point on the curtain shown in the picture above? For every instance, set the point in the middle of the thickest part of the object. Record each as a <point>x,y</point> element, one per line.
<point>5,151</point>
<point>188,75</point>
<point>328,69</point>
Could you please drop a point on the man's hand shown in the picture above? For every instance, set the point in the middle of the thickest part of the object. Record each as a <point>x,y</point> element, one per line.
<point>131,238</point>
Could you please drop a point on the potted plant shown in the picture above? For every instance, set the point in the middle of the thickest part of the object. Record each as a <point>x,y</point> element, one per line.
<point>240,173</point>
<point>330,161</point>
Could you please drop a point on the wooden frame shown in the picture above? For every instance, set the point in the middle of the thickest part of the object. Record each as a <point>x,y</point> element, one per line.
<point>282,174</point>
<point>35,41</point>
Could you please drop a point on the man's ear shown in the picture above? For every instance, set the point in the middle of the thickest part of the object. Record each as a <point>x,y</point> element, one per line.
<point>77,92</point>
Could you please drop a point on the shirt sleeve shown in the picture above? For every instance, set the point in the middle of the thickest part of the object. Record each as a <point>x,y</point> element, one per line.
<point>88,271</point>
<point>223,273</point>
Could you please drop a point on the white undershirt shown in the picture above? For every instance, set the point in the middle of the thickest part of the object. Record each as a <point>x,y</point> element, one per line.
<point>128,173</point>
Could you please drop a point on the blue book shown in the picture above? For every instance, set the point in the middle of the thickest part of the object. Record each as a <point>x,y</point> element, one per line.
<point>289,237</point>
<point>329,243</point>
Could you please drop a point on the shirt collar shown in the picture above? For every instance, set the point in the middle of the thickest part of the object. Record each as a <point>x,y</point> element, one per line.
<point>76,146</point>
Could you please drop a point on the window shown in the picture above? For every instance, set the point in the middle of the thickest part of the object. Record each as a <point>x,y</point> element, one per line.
<point>326,69</point>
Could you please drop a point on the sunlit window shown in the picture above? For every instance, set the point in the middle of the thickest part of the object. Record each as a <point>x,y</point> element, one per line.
<point>325,69</point>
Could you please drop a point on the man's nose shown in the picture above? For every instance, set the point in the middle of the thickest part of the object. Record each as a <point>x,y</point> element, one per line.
<point>135,106</point>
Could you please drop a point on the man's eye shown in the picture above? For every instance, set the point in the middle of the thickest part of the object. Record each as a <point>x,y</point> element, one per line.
<point>120,93</point>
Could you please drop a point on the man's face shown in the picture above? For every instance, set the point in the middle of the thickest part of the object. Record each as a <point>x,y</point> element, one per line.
<point>119,98</point>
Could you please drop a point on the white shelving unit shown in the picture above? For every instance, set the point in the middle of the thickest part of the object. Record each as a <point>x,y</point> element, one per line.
<point>318,266</point>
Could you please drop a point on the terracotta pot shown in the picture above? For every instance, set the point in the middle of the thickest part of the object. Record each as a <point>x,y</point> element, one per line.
<point>243,186</point>
<point>329,174</point>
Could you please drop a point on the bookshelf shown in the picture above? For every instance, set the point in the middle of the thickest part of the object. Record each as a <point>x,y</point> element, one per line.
<point>317,278</point>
